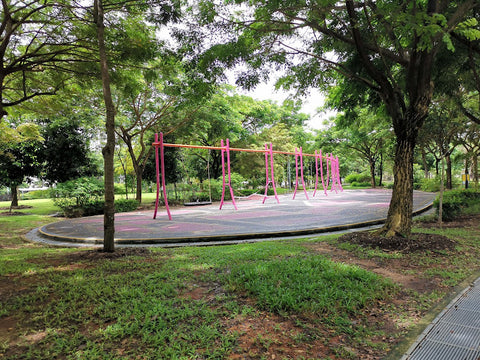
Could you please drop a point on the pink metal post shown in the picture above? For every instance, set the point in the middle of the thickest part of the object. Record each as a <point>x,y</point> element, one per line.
<point>299,154</point>
<point>316,173</point>
<point>327,165</point>
<point>337,162</point>
<point>334,174</point>
<point>162,167</point>
<point>269,153</point>
<point>226,149</point>
<point>223,174</point>
<point>157,167</point>
<point>321,174</point>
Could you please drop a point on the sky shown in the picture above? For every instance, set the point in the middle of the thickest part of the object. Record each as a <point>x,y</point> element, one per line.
<point>311,103</point>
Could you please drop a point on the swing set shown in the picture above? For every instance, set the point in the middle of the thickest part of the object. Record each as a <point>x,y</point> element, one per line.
<point>331,165</point>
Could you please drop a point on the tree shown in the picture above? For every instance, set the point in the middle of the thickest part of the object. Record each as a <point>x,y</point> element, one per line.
<point>440,134</point>
<point>19,157</point>
<point>368,134</point>
<point>386,47</point>
<point>65,152</point>
<point>37,48</point>
<point>164,103</point>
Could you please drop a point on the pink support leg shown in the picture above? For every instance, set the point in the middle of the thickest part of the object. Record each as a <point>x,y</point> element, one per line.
<point>229,175</point>
<point>226,149</point>
<point>321,174</point>
<point>162,168</point>
<point>269,153</point>
<point>223,173</point>
<point>157,169</point>
<point>316,174</point>
<point>272,172</point>
<point>337,161</point>
<point>296,175</point>
<point>301,171</point>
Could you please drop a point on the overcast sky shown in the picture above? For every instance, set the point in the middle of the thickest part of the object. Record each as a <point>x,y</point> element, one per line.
<point>310,104</point>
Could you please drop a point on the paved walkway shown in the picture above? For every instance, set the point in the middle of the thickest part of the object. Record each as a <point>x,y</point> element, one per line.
<point>253,220</point>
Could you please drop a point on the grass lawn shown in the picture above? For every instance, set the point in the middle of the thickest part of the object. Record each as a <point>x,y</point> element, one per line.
<point>314,298</point>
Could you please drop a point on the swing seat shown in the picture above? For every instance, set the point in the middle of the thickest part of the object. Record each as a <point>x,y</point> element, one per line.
<point>197,203</point>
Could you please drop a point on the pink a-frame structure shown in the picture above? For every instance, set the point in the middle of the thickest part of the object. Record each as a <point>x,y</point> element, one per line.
<point>332,168</point>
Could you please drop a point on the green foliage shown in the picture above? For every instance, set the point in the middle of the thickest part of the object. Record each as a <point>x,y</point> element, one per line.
<point>37,194</point>
<point>65,150</point>
<point>358,178</point>
<point>79,197</point>
<point>84,197</point>
<point>125,205</point>
<point>431,185</point>
<point>455,201</point>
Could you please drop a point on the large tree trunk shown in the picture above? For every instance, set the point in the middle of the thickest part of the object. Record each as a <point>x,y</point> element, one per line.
<point>399,220</point>
<point>109,149</point>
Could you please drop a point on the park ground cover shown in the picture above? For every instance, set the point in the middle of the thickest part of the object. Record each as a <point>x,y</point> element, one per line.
<point>327,297</point>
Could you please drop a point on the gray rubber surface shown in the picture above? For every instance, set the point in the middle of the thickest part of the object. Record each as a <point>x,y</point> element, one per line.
<point>253,220</point>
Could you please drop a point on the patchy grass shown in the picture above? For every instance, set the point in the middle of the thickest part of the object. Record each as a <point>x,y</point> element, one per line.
<point>304,298</point>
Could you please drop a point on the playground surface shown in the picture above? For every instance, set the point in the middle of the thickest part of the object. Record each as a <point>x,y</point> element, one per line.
<point>252,221</point>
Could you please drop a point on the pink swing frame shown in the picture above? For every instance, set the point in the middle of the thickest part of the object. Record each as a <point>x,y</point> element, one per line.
<point>332,167</point>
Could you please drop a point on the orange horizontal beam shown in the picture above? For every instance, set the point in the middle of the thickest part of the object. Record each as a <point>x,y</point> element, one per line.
<point>233,149</point>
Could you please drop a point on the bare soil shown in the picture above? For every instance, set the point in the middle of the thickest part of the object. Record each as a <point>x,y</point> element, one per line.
<point>14,213</point>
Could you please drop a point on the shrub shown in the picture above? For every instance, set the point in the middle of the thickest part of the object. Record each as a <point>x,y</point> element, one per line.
<point>125,205</point>
<point>455,201</point>
<point>359,178</point>
<point>431,185</point>
<point>79,197</point>
<point>119,189</point>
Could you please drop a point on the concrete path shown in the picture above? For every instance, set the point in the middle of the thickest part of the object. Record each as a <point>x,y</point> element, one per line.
<point>253,220</point>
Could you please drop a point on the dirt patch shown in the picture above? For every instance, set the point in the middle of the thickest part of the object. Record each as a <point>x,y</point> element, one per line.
<point>20,207</point>
<point>98,254</point>
<point>416,242</point>
<point>466,221</point>
<point>13,213</point>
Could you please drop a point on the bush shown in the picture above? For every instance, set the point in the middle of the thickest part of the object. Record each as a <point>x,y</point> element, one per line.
<point>359,179</point>
<point>360,184</point>
<point>455,201</point>
<point>119,189</point>
<point>430,185</point>
<point>125,205</point>
<point>79,197</point>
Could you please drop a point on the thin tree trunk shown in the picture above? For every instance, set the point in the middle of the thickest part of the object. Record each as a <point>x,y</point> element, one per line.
<point>449,171</point>
<point>109,149</point>
<point>139,174</point>
<point>14,190</point>
<point>380,170</point>
<point>440,196</point>
<point>475,168</point>
<point>372,174</point>
<point>399,219</point>
<point>425,165</point>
